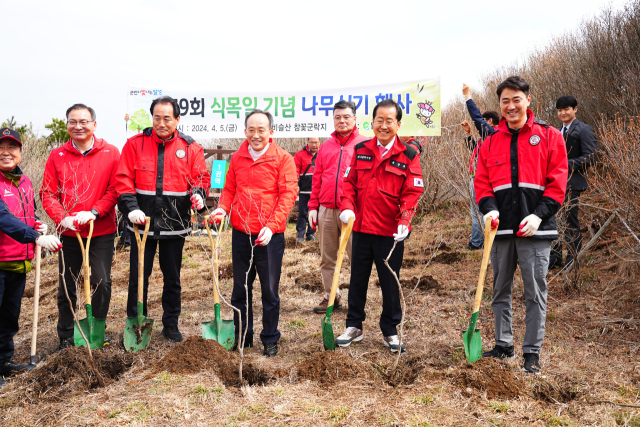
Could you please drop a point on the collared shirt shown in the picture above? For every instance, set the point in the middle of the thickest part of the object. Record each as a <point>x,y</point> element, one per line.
<point>387,148</point>
<point>566,127</point>
<point>90,148</point>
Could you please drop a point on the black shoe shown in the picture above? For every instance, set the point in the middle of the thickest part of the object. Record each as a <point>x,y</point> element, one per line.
<point>66,342</point>
<point>270,349</point>
<point>300,240</point>
<point>2,382</point>
<point>172,333</point>
<point>248,343</point>
<point>500,352</point>
<point>472,247</point>
<point>312,238</point>
<point>9,367</point>
<point>532,363</point>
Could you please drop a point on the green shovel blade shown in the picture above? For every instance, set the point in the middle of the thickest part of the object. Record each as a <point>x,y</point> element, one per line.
<point>93,329</point>
<point>472,340</point>
<point>137,332</point>
<point>219,330</point>
<point>328,338</point>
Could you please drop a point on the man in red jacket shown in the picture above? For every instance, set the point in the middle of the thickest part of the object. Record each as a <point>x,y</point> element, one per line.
<point>78,187</point>
<point>381,190</point>
<point>305,160</point>
<point>521,178</point>
<point>258,194</point>
<point>332,160</point>
<point>162,174</point>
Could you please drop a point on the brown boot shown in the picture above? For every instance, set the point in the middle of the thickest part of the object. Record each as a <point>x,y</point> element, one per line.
<point>322,308</point>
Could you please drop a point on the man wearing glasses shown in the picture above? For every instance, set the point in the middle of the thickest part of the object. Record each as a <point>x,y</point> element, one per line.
<point>78,187</point>
<point>259,192</point>
<point>332,161</point>
<point>381,190</point>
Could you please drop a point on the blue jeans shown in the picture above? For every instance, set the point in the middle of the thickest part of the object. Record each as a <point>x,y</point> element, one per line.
<point>477,236</point>
<point>11,290</point>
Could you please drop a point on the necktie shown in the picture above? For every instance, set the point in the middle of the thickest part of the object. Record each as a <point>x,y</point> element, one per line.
<point>381,149</point>
<point>564,133</point>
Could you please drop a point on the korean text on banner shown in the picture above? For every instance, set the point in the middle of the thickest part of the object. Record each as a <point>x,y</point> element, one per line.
<point>219,173</point>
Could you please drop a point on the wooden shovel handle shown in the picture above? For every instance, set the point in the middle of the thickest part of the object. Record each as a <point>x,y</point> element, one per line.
<point>489,236</point>
<point>36,301</point>
<point>141,243</point>
<point>85,263</point>
<point>344,239</point>
<point>214,250</point>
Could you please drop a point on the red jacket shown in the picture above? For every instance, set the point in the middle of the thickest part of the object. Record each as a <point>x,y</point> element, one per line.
<point>304,160</point>
<point>383,193</point>
<point>261,193</point>
<point>73,183</point>
<point>523,173</point>
<point>332,161</point>
<point>17,214</point>
<point>159,177</point>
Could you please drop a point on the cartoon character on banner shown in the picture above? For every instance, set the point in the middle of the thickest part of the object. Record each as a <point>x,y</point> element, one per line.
<point>426,111</point>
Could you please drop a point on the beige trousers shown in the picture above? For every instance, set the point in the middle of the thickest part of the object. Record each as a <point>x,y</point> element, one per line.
<point>329,228</point>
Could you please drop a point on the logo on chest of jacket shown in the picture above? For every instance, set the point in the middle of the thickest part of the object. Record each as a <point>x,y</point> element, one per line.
<point>180,153</point>
<point>398,165</point>
<point>364,157</point>
<point>534,140</point>
<point>7,193</point>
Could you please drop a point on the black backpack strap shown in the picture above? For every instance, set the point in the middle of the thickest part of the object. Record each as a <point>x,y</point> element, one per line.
<point>415,144</point>
<point>410,151</point>
<point>360,145</point>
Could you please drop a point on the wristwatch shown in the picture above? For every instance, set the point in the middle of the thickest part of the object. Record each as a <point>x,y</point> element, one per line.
<point>95,213</point>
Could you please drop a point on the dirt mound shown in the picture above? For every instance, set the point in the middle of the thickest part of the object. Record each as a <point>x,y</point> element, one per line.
<point>309,281</point>
<point>329,367</point>
<point>562,390</point>
<point>226,271</point>
<point>69,372</point>
<point>492,376</point>
<point>447,257</point>
<point>426,283</point>
<point>314,248</point>
<point>407,371</point>
<point>409,262</point>
<point>195,354</point>
<point>291,242</point>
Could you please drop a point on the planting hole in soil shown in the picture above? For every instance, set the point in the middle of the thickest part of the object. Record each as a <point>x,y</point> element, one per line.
<point>447,258</point>
<point>492,376</point>
<point>309,281</point>
<point>329,367</point>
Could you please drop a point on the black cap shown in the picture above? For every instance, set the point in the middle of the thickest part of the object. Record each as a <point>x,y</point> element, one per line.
<point>11,134</point>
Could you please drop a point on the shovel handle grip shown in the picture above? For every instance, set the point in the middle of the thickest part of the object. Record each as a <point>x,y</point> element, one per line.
<point>489,236</point>
<point>344,239</point>
<point>141,242</point>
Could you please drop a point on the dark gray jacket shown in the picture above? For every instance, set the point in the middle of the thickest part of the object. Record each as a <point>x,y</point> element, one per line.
<point>581,151</point>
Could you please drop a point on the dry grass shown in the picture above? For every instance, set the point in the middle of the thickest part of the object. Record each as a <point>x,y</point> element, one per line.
<point>590,352</point>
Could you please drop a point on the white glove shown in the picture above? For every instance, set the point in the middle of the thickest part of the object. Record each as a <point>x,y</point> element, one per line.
<point>313,218</point>
<point>403,232</point>
<point>346,214</point>
<point>529,226</point>
<point>82,218</point>
<point>50,243</point>
<point>264,237</point>
<point>137,217</point>
<point>217,216</point>
<point>494,215</point>
<point>68,223</point>
<point>197,202</point>
<point>41,227</point>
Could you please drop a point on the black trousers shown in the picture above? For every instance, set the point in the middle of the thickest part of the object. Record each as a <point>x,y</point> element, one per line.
<point>572,235</point>
<point>267,263</point>
<point>100,258</point>
<point>367,249</point>
<point>303,223</point>
<point>170,260</point>
<point>11,290</point>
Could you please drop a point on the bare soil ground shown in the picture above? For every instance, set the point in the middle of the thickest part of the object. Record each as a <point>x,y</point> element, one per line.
<point>590,352</point>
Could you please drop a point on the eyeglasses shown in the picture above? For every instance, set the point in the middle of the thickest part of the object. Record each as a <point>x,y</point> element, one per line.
<point>339,118</point>
<point>379,122</point>
<point>83,123</point>
<point>261,132</point>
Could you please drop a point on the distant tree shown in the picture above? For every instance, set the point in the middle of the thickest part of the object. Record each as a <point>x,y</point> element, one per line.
<point>58,130</point>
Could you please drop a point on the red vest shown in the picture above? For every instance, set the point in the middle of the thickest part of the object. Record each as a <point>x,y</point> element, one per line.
<point>20,202</point>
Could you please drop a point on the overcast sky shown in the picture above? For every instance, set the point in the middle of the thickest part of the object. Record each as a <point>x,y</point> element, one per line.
<point>65,52</point>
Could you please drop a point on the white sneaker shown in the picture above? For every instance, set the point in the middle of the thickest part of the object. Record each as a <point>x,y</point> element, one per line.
<point>393,342</point>
<point>351,334</point>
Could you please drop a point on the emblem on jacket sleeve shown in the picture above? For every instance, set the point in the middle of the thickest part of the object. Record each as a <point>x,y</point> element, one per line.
<point>180,154</point>
<point>534,140</point>
<point>418,182</point>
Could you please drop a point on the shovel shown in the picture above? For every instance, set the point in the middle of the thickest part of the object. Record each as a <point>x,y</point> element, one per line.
<point>36,301</point>
<point>92,328</point>
<point>471,337</point>
<point>222,331</point>
<point>137,330</point>
<point>327,327</point>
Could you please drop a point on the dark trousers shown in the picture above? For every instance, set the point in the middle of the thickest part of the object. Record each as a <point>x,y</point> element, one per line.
<point>170,259</point>
<point>11,290</point>
<point>572,236</point>
<point>267,263</point>
<point>303,221</point>
<point>100,258</point>
<point>367,249</point>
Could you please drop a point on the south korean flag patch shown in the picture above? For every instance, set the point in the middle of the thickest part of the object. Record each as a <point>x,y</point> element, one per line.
<point>418,182</point>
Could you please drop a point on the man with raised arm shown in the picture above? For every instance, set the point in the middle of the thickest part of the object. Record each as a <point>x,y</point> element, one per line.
<point>162,175</point>
<point>259,192</point>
